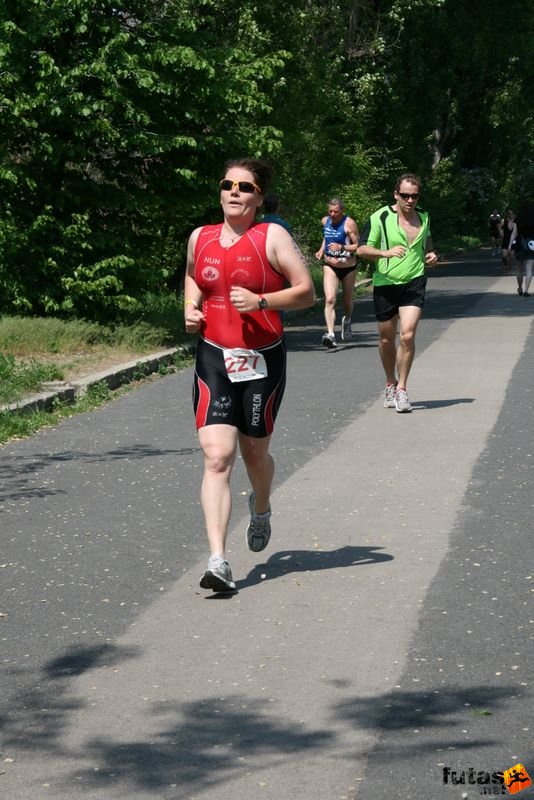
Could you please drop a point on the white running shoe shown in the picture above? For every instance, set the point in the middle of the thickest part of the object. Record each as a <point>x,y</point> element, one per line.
<point>402,404</point>
<point>218,576</point>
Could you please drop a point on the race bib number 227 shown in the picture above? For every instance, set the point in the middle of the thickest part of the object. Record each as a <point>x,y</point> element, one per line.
<point>244,365</point>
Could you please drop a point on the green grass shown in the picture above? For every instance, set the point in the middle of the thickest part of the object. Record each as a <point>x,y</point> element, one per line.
<point>18,379</point>
<point>38,349</point>
<point>23,423</point>
<point>28,336</point>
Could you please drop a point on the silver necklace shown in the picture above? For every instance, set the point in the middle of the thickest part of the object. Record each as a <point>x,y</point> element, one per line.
<point>231,239</point>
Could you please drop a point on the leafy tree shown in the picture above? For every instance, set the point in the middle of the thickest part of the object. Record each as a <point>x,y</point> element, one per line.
<point>116,121</point>
<point>453,101</point>
<point>113,123</point>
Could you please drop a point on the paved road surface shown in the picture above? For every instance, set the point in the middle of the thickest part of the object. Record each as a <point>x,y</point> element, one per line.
<point>382,642</point>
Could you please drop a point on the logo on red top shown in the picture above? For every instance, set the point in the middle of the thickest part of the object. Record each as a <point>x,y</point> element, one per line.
<point>210,273</point>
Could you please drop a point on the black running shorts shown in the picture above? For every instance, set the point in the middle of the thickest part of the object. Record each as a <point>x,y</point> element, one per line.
<point>388,299</point>
<point>251,406</point>
<point>340,272</point>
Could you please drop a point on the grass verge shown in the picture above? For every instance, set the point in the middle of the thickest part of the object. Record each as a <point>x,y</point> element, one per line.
<point>19,378</point>
<point>38,349</point>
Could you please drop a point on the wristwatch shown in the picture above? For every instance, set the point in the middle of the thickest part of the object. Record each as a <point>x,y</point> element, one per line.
<point>262,302</point>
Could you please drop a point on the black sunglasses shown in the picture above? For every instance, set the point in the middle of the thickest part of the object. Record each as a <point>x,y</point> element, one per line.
<point>243,186</point>
<point>408,196</point>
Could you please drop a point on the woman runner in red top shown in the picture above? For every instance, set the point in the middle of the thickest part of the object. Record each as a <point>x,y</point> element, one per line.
<point>240,275</point>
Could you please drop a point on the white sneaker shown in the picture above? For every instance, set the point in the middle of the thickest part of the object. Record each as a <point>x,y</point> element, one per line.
<point>402,404</point>
<point>346,329</point>
<point>329,340</point>
<point>218,576</point>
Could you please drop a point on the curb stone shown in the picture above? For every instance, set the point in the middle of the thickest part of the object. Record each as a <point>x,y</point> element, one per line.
<point>70,391</point>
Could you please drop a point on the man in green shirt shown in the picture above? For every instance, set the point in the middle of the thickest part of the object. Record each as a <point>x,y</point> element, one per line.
<point>397,237</point>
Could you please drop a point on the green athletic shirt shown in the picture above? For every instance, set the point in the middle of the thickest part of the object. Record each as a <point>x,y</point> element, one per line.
<point>383,232</point>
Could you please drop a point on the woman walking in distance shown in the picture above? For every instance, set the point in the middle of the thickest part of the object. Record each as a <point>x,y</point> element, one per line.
<point>234,291</point>
<point>508,237</point>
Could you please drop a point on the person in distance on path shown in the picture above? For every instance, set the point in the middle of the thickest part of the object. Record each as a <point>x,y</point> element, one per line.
<point>494,229</point>
<point>338,248</point>
<point>240,275</point>
<point>397,237</point>
<point>508,233</point>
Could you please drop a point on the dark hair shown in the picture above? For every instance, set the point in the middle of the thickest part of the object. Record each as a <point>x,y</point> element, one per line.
<point>410,177</point>
<point>262,171</point>
<point>270,204</point>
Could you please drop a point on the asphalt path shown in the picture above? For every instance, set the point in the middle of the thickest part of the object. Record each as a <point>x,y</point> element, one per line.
<point>381,647</point>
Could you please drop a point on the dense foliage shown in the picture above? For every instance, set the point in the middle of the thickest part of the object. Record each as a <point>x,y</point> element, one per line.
<point>116,121</point>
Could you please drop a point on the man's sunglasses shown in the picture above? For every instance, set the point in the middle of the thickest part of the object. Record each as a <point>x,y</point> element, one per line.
<point>243,186</point>
<point>408,196</point>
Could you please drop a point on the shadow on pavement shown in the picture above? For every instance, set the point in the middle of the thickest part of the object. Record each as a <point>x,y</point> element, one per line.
<point>445,304</point>
<point>421,405</point>
<point>310,339</point>
<point>212,742</point>
<point>78,660</point>
<point>287,561</point>
<point>215,741</point>
<point>38,717</point>
<point>209,742</point>
<point>15,472</point>
<point>451,710</point>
